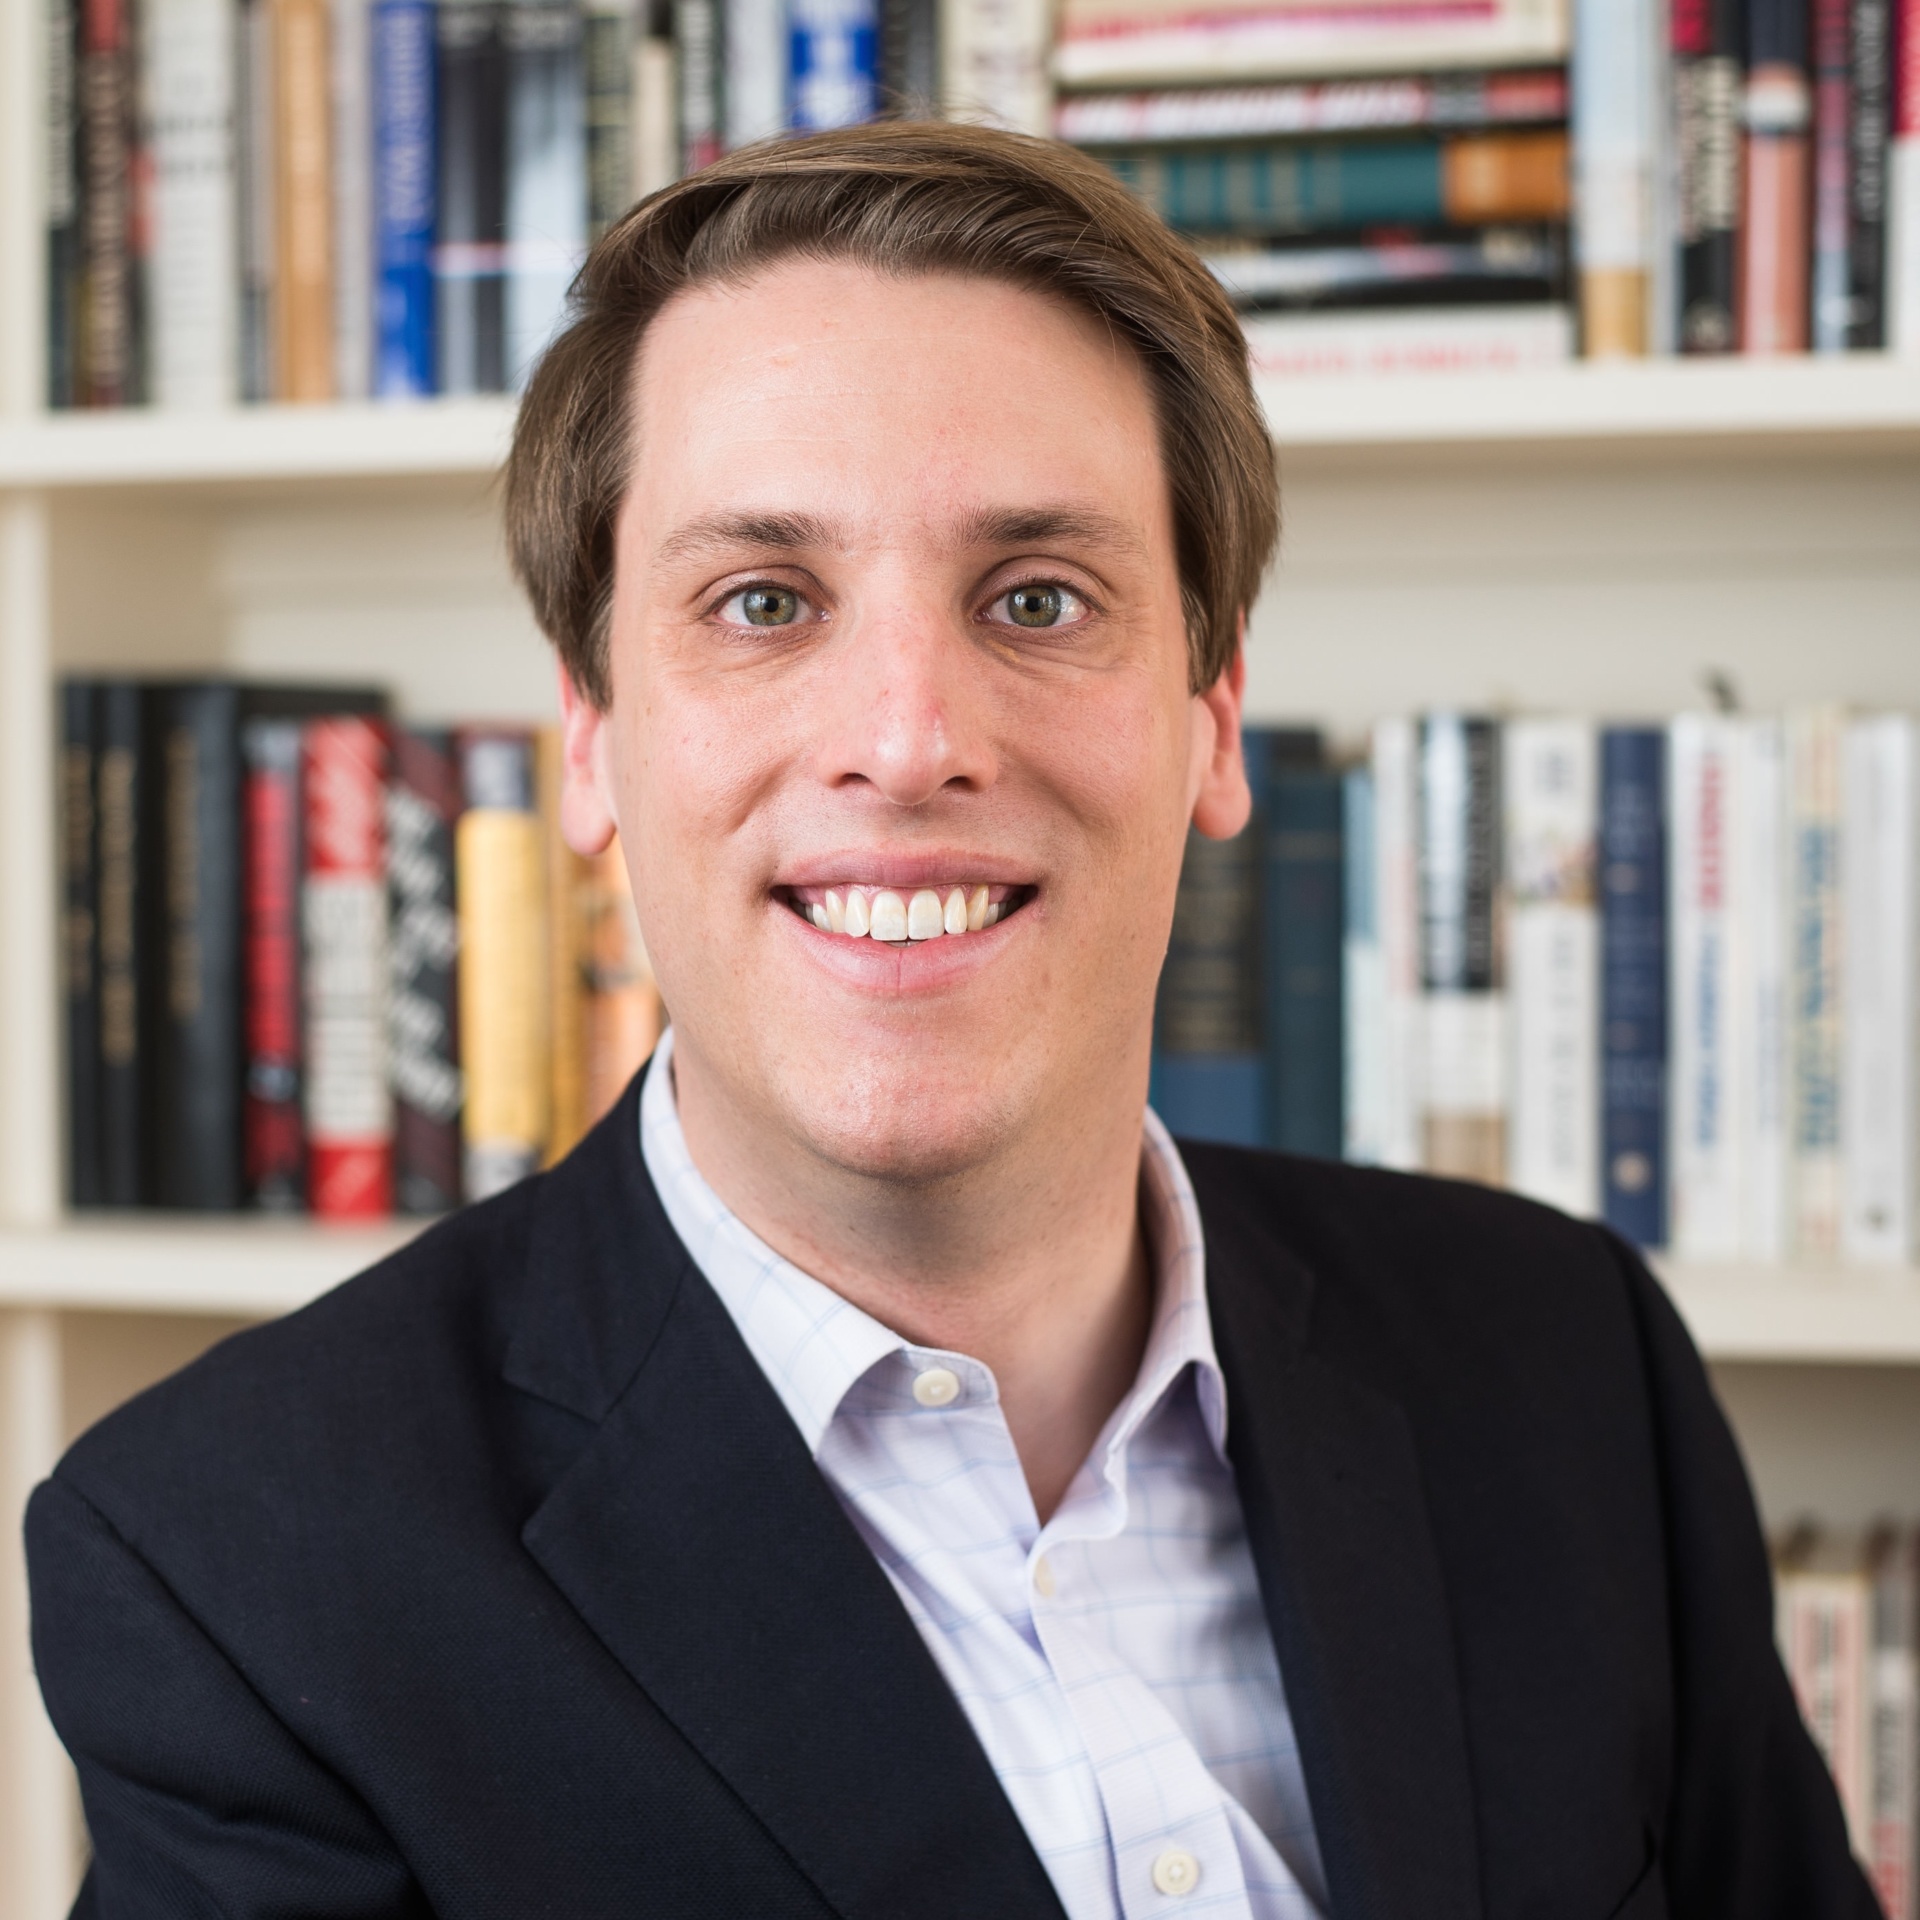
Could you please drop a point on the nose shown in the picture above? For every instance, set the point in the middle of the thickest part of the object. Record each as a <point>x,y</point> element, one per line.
<point>905,713</point>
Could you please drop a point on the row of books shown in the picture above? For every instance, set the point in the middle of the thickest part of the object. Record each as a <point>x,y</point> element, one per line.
<point>312,200</point>
<point>1847,1617</point>
<point>1742,175</point>
<point>316,961</point>
<point>1663,975</point>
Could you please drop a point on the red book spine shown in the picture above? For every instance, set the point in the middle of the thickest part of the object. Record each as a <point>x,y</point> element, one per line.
<point>274,1134</point>
<point>344,921</point>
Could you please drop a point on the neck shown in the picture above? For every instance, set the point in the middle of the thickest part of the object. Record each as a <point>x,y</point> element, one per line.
<point>1032,1262</point>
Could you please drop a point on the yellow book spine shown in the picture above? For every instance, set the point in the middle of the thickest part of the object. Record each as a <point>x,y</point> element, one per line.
<point>303,263</point>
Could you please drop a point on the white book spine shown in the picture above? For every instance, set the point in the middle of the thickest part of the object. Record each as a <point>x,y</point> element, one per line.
<point>1550,782</point>
<point>994,63</point>
<point>1410,340</point>
<point>1363,982</point>
<point>1762,1017</point>
<point>351,50</point>
<point>1879,963</point>
<point>1397,916</point>
<point>1827,1635</point>
<point>755,51</point>
<point>656,127</point>
<point>190,48</point>
<point>1704,988</point>
<point>1815,933</point>
<point>1614,68</point>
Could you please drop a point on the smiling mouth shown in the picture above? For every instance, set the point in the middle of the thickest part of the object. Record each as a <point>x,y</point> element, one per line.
<point>900,918</point>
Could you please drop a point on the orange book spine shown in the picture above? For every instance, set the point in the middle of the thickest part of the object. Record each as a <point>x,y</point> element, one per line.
<point>1506,176</point>
<point>303,166</point>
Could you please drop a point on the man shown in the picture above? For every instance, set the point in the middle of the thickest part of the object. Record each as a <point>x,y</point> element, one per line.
<point>878,1473</point>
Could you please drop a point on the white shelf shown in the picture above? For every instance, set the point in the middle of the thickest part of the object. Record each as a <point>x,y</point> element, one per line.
<point>1863,402</point>
<point>251,1267</point>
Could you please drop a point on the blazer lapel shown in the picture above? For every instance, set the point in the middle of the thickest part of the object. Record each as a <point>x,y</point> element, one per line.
<point>1337,1521</point>
<point>697,1539</point>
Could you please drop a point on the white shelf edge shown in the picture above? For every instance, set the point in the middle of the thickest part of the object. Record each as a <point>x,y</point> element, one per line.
<point>1861,401</point>
<point>257,1268</point>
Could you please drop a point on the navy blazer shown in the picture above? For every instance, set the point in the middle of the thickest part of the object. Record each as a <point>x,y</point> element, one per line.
<point>498,1582</point>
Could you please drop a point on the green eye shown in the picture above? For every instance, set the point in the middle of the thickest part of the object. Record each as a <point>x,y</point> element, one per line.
<point>769,606</point>
<point>1036,606</point>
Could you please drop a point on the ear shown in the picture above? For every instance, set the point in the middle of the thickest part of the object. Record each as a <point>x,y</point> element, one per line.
<point>1222,803</point>
<point>587,822</point>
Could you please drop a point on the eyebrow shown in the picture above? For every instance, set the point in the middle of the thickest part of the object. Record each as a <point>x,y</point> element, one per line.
<point>984,527</point>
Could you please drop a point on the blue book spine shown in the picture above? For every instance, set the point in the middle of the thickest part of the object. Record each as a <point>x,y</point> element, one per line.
<point>1302,940</point>
<point>833,63</point>
<point>403,197</point>
<point>1633,982</point>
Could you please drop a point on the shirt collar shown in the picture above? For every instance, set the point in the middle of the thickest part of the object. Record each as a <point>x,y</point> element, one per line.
<point>813,1346</point>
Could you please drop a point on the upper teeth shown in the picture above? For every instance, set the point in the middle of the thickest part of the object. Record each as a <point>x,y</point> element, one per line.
<point>882,914</point>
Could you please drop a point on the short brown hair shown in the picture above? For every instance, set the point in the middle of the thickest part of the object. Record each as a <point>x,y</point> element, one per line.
<point>900,197</point>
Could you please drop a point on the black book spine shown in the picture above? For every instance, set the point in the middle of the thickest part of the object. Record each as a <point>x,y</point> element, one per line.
<point>79,941</point>
<point>910,58</point>
<point>1872,58</point>
<point>197,1097</point>
<point>607,43</point>
<point>470,250</point>
<point>1707,91</point>
<point>423,1051</point>
<point>107,372</point>
<point>122,828</point>
<point>65,206</point>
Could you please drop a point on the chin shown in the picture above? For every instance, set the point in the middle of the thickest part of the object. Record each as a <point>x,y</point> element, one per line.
<point>916,1134</point>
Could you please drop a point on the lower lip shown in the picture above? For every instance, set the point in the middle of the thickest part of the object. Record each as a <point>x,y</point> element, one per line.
<point>921,966</point>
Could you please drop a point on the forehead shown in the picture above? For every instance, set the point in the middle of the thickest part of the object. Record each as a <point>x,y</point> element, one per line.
<point>826,387</point>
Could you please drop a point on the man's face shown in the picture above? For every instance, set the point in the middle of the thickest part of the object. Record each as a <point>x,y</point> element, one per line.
<point>897,618</point>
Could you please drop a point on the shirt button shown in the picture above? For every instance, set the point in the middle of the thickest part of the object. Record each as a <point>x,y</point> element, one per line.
<point>1176,1871</point>
<point>937,1387</point>
<point>1043,1577</point>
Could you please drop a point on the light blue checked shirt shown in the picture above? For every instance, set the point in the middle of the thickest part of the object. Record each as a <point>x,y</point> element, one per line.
<point>1115,1663</point>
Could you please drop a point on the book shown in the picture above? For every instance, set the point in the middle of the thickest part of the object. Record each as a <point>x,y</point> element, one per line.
<point>1396,879</point>
<point>546,206</point>
<point>1363,981</point>
<point>65,231</point>
<point>500,887</point>
<point>1903,185</point>
<point>1706,41</point>
<point>1208,1072</point>
<point>273,1112</point>
<point>1102,44</point>
<point>1824,1599</point>
<point>423,1038</point>
<point>470,219</point>
<point>303,193</point>
<point>125,826</point>
<point>1633,983</point>
<point>607,53</point>
<point>1329,186</point>
<point>1762,1017</point>
<point>656,90</point>
<point>699,74</point>
<point>258,199</point>
<point>1465,339</point>
<point>1830,248</point>
<point>1870,53</point>
<point>1880,976</point>
<point>1301,940</point>
<point>1463,1094</point>
<point>1813,910</point>
<point>189,48</point>
<point>993,63</point>
<point>1615,88</point>
<point>1893,1855</point>
<point>350,46</point>
<point>910,58</point>
<point>833,73</point>
<point>401,81</point>
<point>1549,788</point>
<point>1776,175</point>
<point>759,48</point>
<point>1705,990</point>
<point>110,319</point>
<point>1280,108</point>
<point>349,1104</point>
<point>79,938</point>
<point>1498,264</point>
